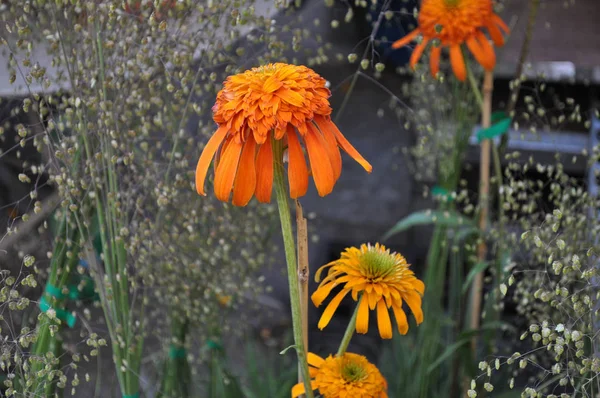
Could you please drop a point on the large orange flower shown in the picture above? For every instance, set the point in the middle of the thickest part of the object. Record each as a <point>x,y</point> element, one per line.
<point>452,23</point>
<point>384,281</point>
<point>346,376</point>
<point>276,103</point>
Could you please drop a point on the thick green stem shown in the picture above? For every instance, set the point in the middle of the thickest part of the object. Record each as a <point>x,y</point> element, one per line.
<point>349,331</point>
<point>290,257</point>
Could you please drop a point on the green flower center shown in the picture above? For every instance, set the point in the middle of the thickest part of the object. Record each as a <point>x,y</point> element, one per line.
<point>352,372</point>
<point>375,264</point>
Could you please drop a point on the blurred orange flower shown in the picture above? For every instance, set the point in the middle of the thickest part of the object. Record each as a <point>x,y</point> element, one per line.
<point>384,280</point>
<point>452,23</point>
<point>350,375</point>
<point>273,102</point>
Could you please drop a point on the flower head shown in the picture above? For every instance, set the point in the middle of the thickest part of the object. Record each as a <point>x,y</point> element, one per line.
<point>276,102</point>
<point>452,23</point>
<point>383,279</point>
<point>348,376</point>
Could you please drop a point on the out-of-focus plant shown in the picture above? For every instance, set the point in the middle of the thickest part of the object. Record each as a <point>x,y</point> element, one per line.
<point>457,240</point>
<point>122,99</point>
<point>552,285</point>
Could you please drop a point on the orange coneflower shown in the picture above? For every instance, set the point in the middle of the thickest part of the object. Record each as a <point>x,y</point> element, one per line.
<point>273,102</point>
<point>384,280</point>
<point>452,23</point>
<point>349,375</point>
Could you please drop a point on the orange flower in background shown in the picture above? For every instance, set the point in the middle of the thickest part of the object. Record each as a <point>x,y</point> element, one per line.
<point>348,376</point>
<point>273,102</point>
<point>384,281</point>
<point>452,23</point>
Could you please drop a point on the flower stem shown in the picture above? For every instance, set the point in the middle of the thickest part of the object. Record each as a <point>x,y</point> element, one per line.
<point>290,257</point>
<point>349,331</point>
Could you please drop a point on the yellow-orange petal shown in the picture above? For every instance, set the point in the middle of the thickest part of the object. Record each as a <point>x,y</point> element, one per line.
<point>400,316</point>
<point>330,310</point>
<point>480,54</point>
<point>264,172</point>
<point>343,142</point>
<point>334,151</point>
<point>226,170</point>
<point>434,60</point>
<point>458,63</point>
<point>321,293</point>
<point>206,157</point>
<point>413,300</point>
<point>314,360</point>
<point>417,52</point>
<point>362,318</point>
<point>297,169</point>
<point>245,180</point>
<point>406,39</point>
<point>419,286</point>
<point>383,321</point>
<point>299,389</point>
<point>320,164</point>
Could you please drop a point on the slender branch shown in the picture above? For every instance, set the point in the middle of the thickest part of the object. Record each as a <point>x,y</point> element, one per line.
<point>303,272</point>
<point>290,256</point>
<point>484,189</point>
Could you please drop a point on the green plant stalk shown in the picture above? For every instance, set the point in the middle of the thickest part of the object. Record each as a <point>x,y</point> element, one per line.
<point>349,331</point>
<point>290,256</point>
<point>60,269</point>
<point>108,303</point>
<point>176,373</point>
<point>118,258</point>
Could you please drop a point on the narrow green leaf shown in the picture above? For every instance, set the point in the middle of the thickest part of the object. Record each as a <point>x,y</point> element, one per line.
<point>479,267</point>
<point>425,217</point>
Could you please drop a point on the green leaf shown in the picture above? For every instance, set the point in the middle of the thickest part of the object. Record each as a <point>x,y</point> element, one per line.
<point>479,267</point>
<point>287,348</point>
<point>497,129</point>
<point>425,217</point>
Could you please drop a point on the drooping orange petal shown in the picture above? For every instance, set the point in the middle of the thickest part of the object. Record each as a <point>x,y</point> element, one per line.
<point>495,34</point>
<point>264,172</point>
<point>321,293</point>
<point>400,316</point>
<point>486,46</point>
<point>413,300</point>
<point>226,170</point>
<point>480,54</point>
<point>383,321</point>
<point>331,307</point>
<point>406,39</point>
<point>434,60</point>
<point>334,151</point>
<point>500,23</point>
<point>417,52</point>
<point>297,169</point>
<point>205,158</point>
<point>346,146</point>
<point>458,63</point>
<point>362,318</point>
<point>245,180</point>
<point>320,164</point>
